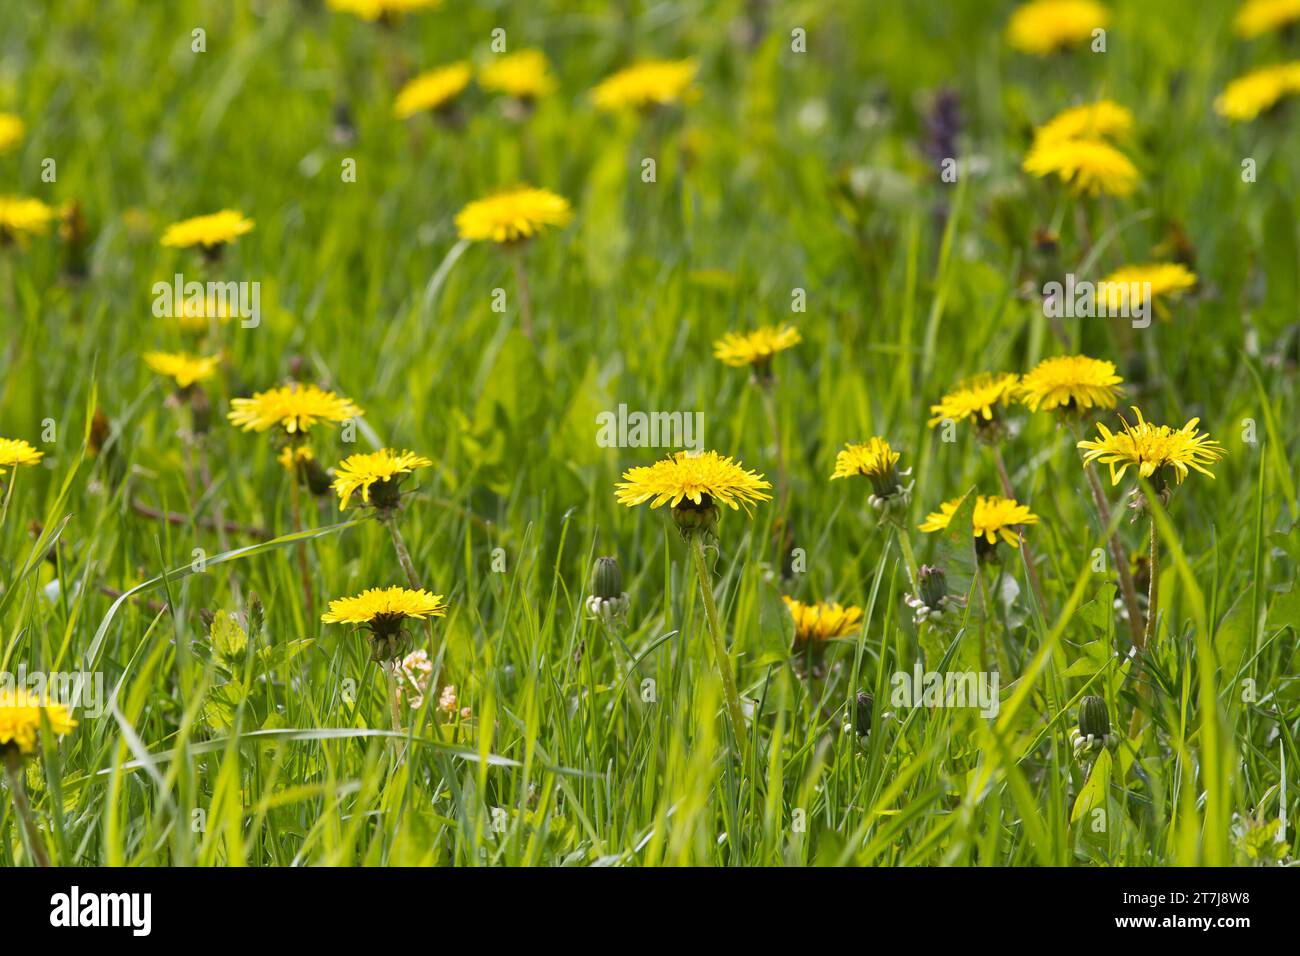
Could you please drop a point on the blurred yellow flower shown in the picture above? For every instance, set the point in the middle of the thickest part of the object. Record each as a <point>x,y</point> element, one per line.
<point>993,517</point>
<point>1091,166</point>
<point>197,316</point>
<point>1135,283</point>
<point>1104,119</point>
<point>822,621</point>
<point>524,75</point>
<point>376,9</point>
<point>184,369</point>
<point>651,83</point>
<point>211,230</point>
<point>12,130</point>
<point>291,455</point>
<point>295,408</point>
<point>21,218</point>
<point>1045,26</point>
<point>432,90</point>
<point>757,347</point>
<point>376,475</point>
<point>976,397</point>
<point>20,719</point>
<point>15,451</point>
<point>1258,91</point>
<point>512,215</point>
<point>1070,382</point>
<point>1150,448</point>
<point>1257,17</point>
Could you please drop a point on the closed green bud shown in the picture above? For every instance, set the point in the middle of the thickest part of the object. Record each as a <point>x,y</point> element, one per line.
<point>862,708</point>
<point>1094,733</point>
<point>934,585</point>
<point>607,578</point>
<point>1093,718</point>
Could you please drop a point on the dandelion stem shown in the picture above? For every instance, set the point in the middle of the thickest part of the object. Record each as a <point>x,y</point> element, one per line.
<point>9,493</point>
<point>721,660</point>
<point>394,699</point>
<point>1153,612</point>
<point>408,566</point>
<point>524,292</point>
<point>768,388</point>
<point>296,505</point>
<point>1153,592</point>
<point>17,790</point>
<point>1127,589</point>
<point>399,545</point>
<point>1024,545</point>
<point>909,559</point>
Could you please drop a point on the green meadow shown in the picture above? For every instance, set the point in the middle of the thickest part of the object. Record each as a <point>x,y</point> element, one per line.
<point>800,182</point>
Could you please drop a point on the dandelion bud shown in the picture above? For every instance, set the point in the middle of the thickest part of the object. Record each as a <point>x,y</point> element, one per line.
<point>934,584</point>
<point>932,602</point>
<point>1093,718</point>
<point>73,232</point>
<point>1094,726</point>
<point>862,708</point>
<point>607,578</point>
<point>200,409</point>
<point>607,601</point>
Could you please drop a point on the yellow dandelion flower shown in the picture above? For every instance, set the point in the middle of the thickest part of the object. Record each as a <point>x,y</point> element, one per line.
<point>1104,119</point>
<point>382,9</point>
<point>1091,166</point>
<point>976,397</point>
<point>1257,17</point>
<point>1258,91</point>
<point>757,347</point>
<point>376,475</point>
<point>184,369</point>
<point>383,611</point>
<point>993,517</point>
<point>21,218</point>
<point>432,90</point>
<point>524,75</point>
<point>823,620</point>
<point>872,459</point>
<point>1151,448</point>
<point>207,231</point>
<point>701,480</point>
<point>512,215</point>
<point>15,451</point>
<point>195,315</point>
<point>1070,382</point>
<point>12,131</point>
<point>878,463</point>
<point>1045,26</point>
<point>291,455</point>
<point>385,608</point>
<point>1136,284</point>
<point>651,83</point>
<point>294,408</point>
<point>20,719</point>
